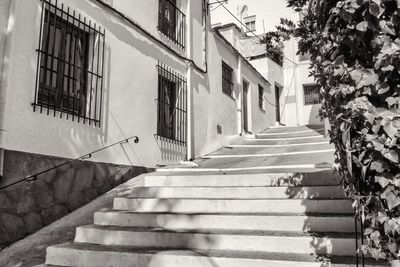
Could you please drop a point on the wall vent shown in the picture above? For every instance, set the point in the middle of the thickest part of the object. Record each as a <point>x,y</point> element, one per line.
<point>219,129</point>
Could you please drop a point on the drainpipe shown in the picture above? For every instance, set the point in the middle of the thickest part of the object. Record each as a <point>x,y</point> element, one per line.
<point>239,100</point>
<point>189,77</point>
<point>296,85</point>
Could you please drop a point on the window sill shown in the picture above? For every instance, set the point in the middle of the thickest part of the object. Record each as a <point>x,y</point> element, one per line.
<point>229,95</point>
<point>60,113</point>
<point>171,40</point>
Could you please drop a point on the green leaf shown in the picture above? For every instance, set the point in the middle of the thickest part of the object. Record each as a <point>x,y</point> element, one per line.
<point>376,237</point>
<point>364,77</point>
<point>378,166</point>
<point>384,88</point>
<point>391,198</point>
<point>362,26</point>
<point>392,156</point>
<point>391,101</point>
<point>383,182</point>
<point>375,9</point>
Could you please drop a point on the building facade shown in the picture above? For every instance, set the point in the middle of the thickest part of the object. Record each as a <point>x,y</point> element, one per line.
<point>297,101</point>
<point>78,76</point>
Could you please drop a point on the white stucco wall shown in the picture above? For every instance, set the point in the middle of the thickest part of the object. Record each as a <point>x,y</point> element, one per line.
<point>296,74</point>
<point>222,109</point>
<point>130,89</point>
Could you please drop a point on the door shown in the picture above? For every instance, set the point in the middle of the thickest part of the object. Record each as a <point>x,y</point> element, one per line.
<point>245,107</point>
<point>277,103</point>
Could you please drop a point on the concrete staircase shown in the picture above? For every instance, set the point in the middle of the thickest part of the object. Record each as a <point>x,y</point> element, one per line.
<point>270,200</point>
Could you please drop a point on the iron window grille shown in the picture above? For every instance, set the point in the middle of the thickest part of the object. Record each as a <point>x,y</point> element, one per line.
<point>70,65</point>
<point>261,97</point>
<point>311,94</point>
<point>171,22</point>
<point>171,105</point>
<point>227,84</point>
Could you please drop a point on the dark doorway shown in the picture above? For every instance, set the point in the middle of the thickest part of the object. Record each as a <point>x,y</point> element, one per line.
<point>277,103</point>
<point>245,107</point>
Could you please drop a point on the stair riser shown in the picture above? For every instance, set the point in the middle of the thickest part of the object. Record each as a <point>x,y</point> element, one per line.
<point>264,223</point>
<point>70,257</point>
<point>272,179</point>
<point>301,245</point>
<point>233,206</point>
<point>324,192</point>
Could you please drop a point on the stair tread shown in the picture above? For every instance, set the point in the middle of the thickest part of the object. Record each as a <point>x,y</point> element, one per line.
<point>221,231</point>
<point>236,187</point>
<point>261,214</point>
<point>238,199</point>
<point>219,253</point>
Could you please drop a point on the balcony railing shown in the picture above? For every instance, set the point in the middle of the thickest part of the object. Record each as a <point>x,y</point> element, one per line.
<point>171,22</point>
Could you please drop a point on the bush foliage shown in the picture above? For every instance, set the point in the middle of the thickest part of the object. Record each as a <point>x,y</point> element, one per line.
<point>355,56</point>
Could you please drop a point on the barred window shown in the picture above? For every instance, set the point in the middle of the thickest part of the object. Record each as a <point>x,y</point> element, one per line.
<point>227,84</point>
<point>171,121</point>
<point>70,65</point>
<point>311,94</point>
<point>171,22</point>
<point>261,97</point>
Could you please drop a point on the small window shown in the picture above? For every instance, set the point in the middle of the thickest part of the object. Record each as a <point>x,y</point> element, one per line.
<point>250,23</point>
<point>171,122</point>
<point>171,22</point>
<point>251,26</point>
<point>227,84</point>
<point>311,94</point>
<point>70,66</point>
<point>261,97</point>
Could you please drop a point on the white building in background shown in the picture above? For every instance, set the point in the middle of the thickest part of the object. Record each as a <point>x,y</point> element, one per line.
<point>297,100</point>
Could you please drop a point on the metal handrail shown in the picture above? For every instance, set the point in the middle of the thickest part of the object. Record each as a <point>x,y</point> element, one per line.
<point>357,216</point>
<point>34,177</point>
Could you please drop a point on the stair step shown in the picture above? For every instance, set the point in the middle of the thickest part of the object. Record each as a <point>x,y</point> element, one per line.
<point>313,192</point>
<point>260,149</point>
<point>90,255</point>
<point>247,180</point>
<point>266,141</point>
<point>295,134</point>
<point>281,138</point>
<point>269,222</point>
<point>305,132</point>
<point>233,205</point>
<point>270,241</point>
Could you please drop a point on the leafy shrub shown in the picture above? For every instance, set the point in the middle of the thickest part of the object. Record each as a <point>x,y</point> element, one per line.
<point>355,57</point>
<point>274,45</point>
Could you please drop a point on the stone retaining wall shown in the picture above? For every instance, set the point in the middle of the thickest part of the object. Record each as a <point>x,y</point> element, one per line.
<point>28,206</point>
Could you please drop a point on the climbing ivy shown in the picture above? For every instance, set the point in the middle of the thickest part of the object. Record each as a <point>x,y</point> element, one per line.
<point>355,57</point>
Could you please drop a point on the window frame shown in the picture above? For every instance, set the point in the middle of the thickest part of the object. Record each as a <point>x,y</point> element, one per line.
<point>172,22</point>
<point>309,97</point>
<point>250,22</point>
<point>261,95</point>
<point>227,82</point>
<point>57,102</point>
<point>70,65</point>
<point>171,105</point>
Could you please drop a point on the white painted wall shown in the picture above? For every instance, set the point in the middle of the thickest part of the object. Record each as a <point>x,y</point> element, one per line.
<point>213,107</point>
<point>130,89</point>
<point>268,14</point>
